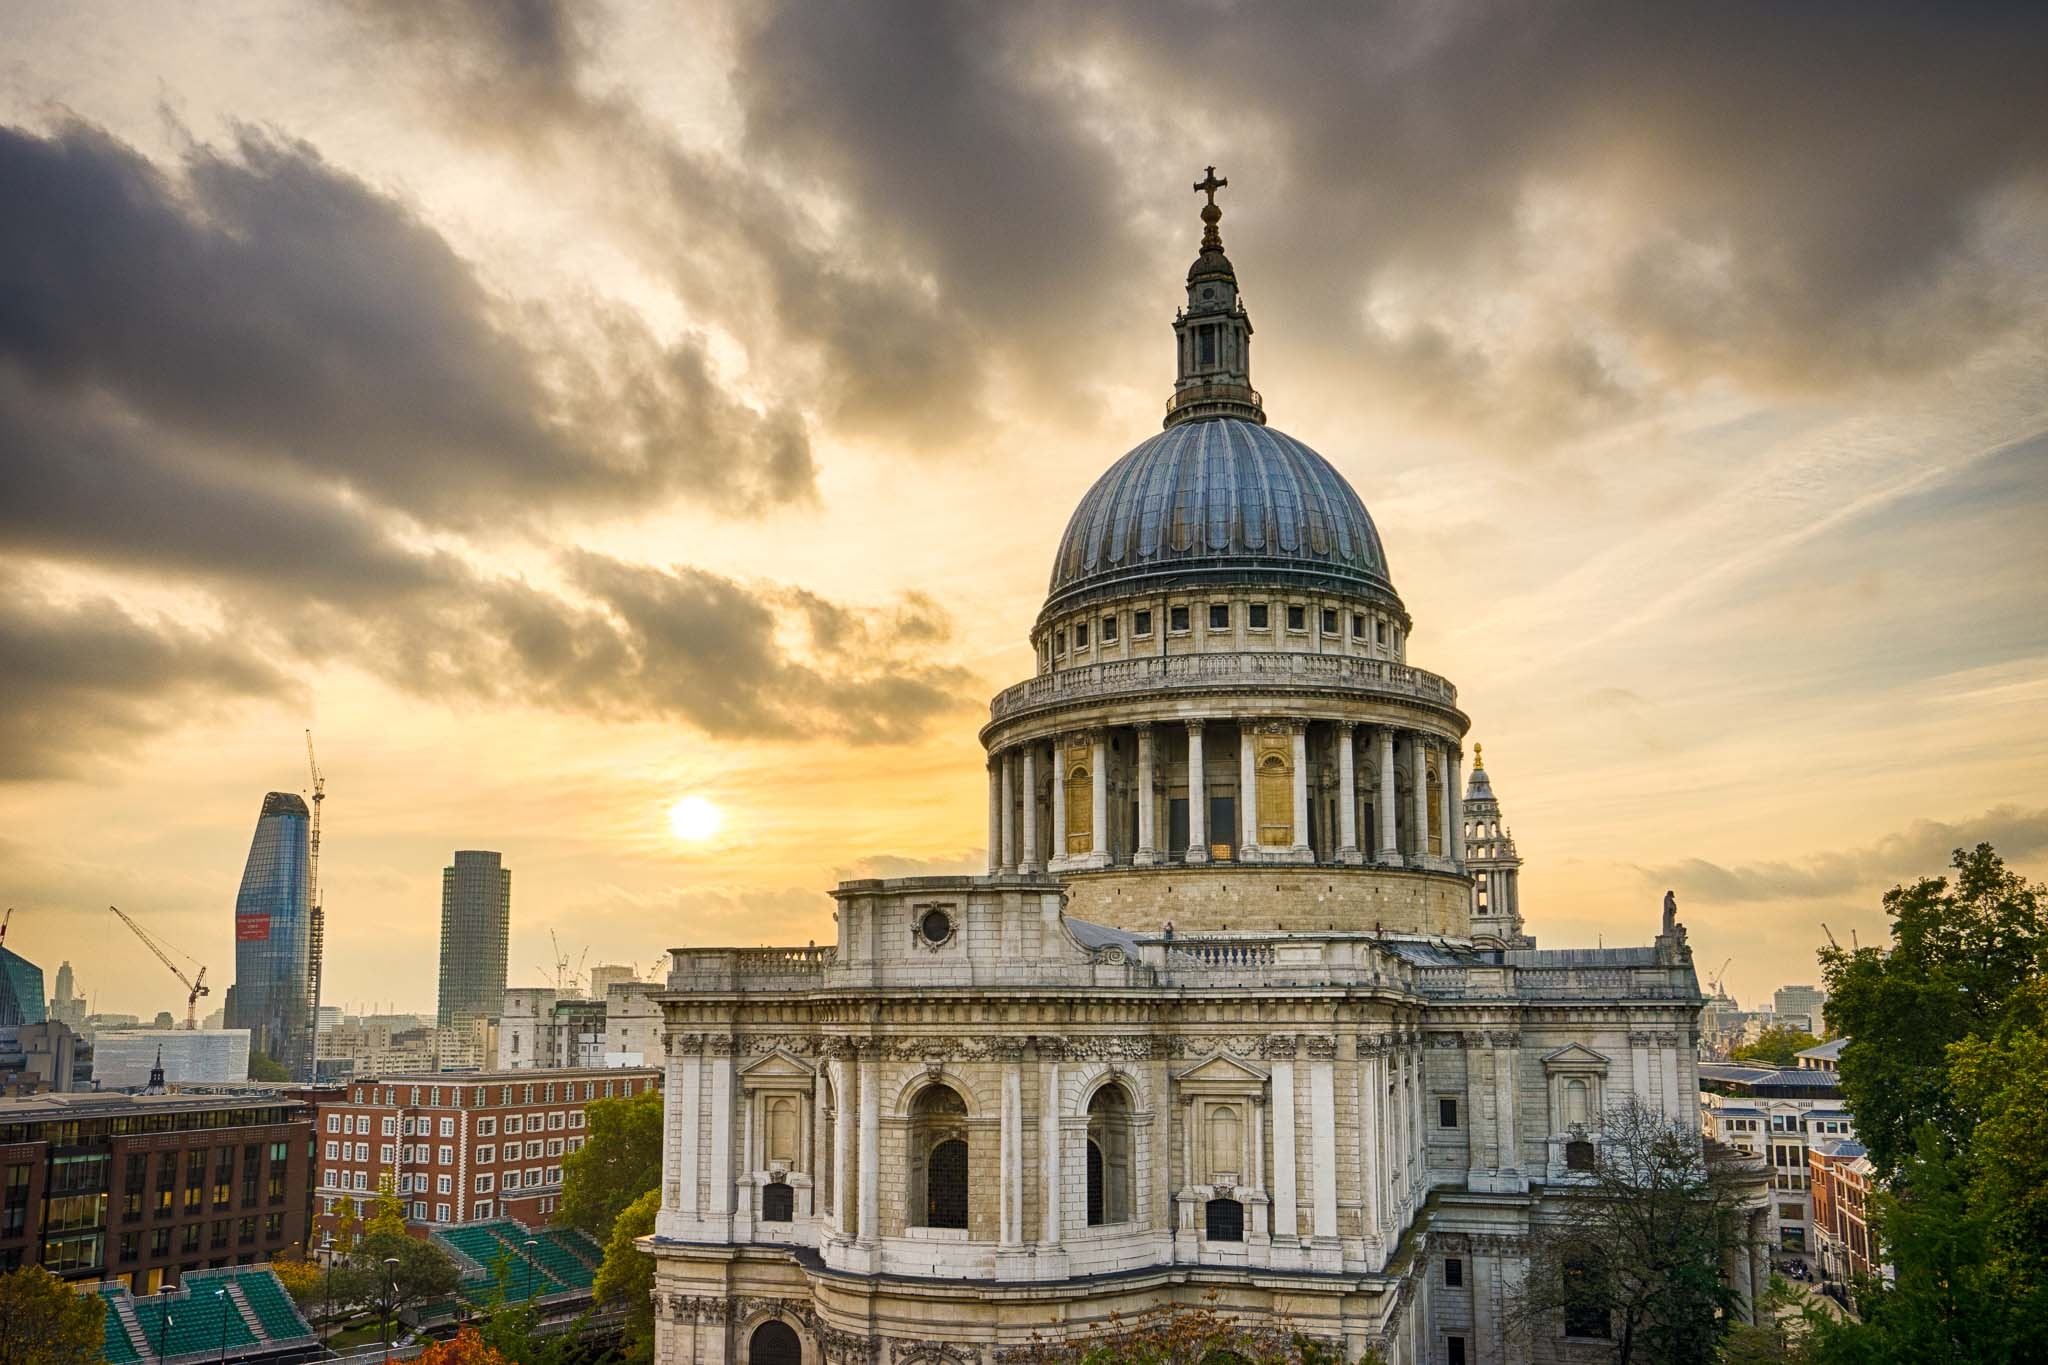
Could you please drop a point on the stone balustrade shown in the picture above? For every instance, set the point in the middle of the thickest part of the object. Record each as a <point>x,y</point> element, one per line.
<point>1247,671</point>
<point>748,969</point>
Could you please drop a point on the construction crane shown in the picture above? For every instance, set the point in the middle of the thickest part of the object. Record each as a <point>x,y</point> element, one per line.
<point>316,915</point>
<point>195,986</point>
<point>1715,980</point>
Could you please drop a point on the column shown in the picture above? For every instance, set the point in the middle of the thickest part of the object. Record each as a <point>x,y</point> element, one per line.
<point>844,1117</point>
<point>1454,783</point>
<point>1009,812</point>
<point>1444,806</point>
<point>1198,797</point>
<point>995,815</point>
<point>1051,1186</point>
<point>1010,1186</point>
<point>1347,797</point>
<point>1058,852</point>
<point>1389,851</point>
<point>1147,852</point>
<point>690,1120</point>
<point>1285,1222</point>
<point>1300,736</point>
<point>721,1138</point>
<point>1420,755</point>
<point>869,1224</point>
<point>1247,791</point>
<point>1322,1145</point>
<point>1371,1156</point>
<point>1028,803</point>
<point>1098,843</point>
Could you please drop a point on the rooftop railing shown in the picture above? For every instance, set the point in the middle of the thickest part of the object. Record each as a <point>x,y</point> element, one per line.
<point>1222,672</point>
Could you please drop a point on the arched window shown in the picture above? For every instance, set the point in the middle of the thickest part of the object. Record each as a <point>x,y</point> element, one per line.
<point>1574,1103</point>
<point>1276,801</point>
<point>1224,1221</point>
<point>1080,809</point>
<point>938,1153</point>
<point>1109,1156</point>
<point>1436,811</point>
<point>778,1202</point>
<point>775,1343</point>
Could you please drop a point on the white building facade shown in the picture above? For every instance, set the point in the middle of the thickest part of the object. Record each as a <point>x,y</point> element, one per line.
<point>1227,1015</point>
<point>122,1058</point>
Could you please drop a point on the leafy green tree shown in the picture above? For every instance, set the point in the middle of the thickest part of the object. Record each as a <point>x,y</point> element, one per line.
<point>387,1210</point>
<point>1638,1256</point>
<point>1959,957</point>
<point>348,1226</point>
<point>626,1276</point>
<point>618,1162</point>
<point>262,1068</point>
<point>43,1321</point>
<point>423,1273</point>
<point>1778,1045</point>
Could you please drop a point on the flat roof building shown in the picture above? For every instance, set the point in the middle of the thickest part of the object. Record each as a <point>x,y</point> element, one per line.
<point>124,1058</point>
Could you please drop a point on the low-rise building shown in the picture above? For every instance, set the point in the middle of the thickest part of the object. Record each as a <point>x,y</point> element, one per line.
<point>1841,1176</point>
<point>460,1148</point>
<point>539,1030</point>
<point>145,1188</point>
<point>1827,1057</point>
<point>1776,1113</point>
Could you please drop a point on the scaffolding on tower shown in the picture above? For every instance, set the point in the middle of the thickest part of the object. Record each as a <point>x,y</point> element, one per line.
<point>316,919</point>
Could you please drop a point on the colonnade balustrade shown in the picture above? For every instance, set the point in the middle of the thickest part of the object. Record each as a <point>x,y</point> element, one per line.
<point>1306,791</point>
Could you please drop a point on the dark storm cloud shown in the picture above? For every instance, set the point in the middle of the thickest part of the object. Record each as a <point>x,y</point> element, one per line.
<point>1922,849</point>
<point>83,679</point>
<point>296,321</point>
<point>1792,197</point>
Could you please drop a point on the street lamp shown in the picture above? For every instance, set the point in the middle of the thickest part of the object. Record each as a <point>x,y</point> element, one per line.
<point>163,1318</point>
<point>220,1299</point>
<point>390,1303</point>
<point>531,1245</point>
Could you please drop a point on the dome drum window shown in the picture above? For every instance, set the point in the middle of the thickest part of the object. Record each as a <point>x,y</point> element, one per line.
<point>935,926</point>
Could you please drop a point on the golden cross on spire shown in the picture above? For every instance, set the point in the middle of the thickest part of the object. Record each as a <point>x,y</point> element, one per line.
<point>1209,185</point>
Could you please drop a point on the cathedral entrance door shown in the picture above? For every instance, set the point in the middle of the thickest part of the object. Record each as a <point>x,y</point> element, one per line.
<point>774,1343</point>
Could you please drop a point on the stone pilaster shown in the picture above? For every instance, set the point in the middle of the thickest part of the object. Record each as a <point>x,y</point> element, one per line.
<point>1347,796</point>
<point>1388,853</point>
<point>1198,798</point>
<point>1147,852</point>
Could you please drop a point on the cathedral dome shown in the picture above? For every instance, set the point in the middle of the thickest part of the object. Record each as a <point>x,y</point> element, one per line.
<point>1224,497</point>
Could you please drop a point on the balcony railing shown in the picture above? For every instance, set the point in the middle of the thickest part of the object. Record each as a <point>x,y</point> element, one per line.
<point>1200,394</point>
<point>1250,670</point>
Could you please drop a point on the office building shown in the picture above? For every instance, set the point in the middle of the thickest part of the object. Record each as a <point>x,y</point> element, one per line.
<point>476,935</point>
<point>1778,1114</point>
<point>272,995</point>
<point>21,990</point>
<point>460,1149</point>
<point>602,979</point>
<point>124,1058</point>
<point>66,1005</point>
<point>146,1188</point>
<point>538,1030</point>
<point>1793,1002</point>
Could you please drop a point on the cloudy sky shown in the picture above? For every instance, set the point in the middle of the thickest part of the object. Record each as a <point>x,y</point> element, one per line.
<point>565,411</point>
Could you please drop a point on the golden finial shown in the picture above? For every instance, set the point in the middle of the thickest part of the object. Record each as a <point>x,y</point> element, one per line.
<point>1479,755</point>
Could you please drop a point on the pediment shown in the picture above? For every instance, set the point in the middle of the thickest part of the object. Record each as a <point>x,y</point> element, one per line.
<point>1575,1057</point>
<point>777,1066</point>
<point>1222,1071</point>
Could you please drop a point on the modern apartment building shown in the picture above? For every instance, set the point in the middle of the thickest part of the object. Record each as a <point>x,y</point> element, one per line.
<point>1777,1114</point>
<point>146,1188</point>
<point>273,992</point>
<point>460,1148</point>
<point>476,936</point>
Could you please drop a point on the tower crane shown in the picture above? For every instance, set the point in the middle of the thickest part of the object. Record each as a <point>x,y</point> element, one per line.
<point>195,986</point>
<point>1720,973</point>
<point>316,915</point>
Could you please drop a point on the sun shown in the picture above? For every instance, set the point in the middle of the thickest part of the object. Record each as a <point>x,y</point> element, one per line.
<point>695,818</point>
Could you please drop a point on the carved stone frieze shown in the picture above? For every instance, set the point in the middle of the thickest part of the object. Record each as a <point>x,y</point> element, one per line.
<point>1504,1038</point>
<point>1281,1045</point>
<point>1321,1046</point>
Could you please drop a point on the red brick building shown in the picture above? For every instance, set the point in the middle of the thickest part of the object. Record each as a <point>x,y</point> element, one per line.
<point>460,1147</point>
<point>145,1188</point>
<point>1843,1243</point>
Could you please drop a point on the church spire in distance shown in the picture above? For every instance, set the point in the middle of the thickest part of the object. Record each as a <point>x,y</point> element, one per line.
<point>1212,335</point>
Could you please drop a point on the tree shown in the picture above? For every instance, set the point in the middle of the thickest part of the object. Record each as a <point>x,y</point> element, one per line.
<point>619,1162</point>
<point>626,1275</point>
<point>423,1273</point>
<point>301,1279</point>
<point>1636,1254</point>
<point>347,1226</point>
<point>1959,958</point>
<point>262,1068</point>
<point>44,1322</point>
<point>1778,1045</point>
<point>468,1348</point>
<point>387,1210</point>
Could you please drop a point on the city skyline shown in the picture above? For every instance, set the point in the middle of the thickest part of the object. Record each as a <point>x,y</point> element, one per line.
<point>720,445</point>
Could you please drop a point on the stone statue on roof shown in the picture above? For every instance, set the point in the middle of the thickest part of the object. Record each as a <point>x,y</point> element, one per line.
<point>1670,911</point>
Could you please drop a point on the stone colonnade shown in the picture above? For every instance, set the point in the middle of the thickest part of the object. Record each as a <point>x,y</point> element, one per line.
<point>1271,798</point>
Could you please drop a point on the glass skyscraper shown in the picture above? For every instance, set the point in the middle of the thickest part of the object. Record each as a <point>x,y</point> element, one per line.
<point>271,994</point>
<point>476,936</point>
<point>21,990</point>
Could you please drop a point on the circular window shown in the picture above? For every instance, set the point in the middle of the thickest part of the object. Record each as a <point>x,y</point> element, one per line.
<point>1208,293</point>
<point>936,927</point>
